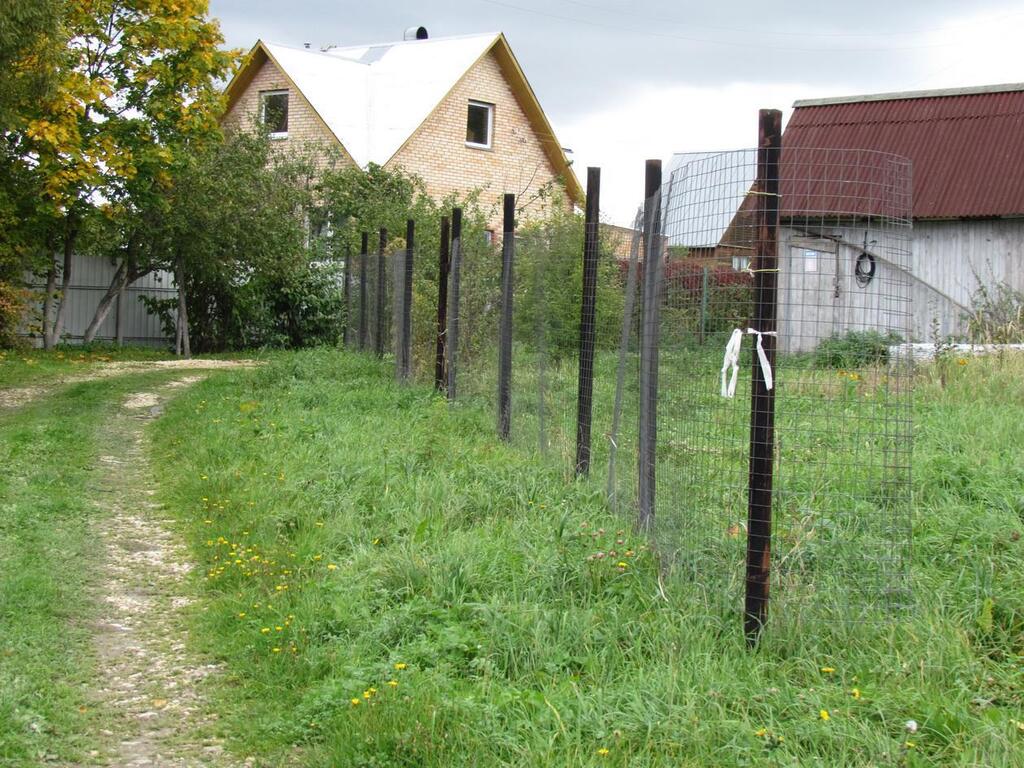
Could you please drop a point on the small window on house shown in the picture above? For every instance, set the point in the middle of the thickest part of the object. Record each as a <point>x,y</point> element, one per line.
<point>479,125</point>
<point>489,236</point>
<point>274,106</point>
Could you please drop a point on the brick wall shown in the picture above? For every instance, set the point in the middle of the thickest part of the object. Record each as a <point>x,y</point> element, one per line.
<point>305,129</point>
<point>516,161</point>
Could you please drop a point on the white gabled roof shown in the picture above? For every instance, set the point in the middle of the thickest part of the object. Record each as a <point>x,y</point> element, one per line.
<point>373,98</point>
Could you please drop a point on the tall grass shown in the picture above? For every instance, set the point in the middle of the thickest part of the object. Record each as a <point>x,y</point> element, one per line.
<point>391,586</point>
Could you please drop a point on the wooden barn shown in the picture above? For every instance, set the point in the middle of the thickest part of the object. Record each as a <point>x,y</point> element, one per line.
<point>895,209</point>
<point>965,149</point>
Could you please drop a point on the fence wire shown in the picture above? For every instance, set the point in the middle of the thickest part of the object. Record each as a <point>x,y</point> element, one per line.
<point>840,490</point>
<point>684,345</point>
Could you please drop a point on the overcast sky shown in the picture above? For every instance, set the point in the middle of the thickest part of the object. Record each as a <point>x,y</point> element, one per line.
<point>625,81</point>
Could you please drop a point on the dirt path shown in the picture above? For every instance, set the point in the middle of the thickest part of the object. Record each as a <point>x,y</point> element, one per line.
<point>150,680</point>
<point>18,396</point>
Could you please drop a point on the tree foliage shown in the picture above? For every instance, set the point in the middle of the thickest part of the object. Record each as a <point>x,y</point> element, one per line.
<point>126,92</point>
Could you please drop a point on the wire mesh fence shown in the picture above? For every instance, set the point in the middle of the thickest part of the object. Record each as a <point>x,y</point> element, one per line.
<point>728,368</point>
<point>836,432</point>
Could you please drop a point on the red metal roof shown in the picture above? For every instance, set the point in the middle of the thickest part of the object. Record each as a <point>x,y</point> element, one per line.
<point>967,148</point>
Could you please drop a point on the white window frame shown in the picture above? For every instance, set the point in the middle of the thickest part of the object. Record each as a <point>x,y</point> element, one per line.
<point>263,110</point>
<point>490,124</point>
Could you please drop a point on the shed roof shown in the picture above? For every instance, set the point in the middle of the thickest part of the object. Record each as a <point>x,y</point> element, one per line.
<point>966,145</point>
<point>373,98</point>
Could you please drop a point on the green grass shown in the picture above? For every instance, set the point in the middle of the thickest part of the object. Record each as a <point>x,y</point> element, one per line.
<point>354,525</point>
<point>23,367</point>
<point>48,450</point>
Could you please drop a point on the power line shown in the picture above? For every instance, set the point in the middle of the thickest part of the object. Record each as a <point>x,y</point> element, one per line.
<point>707,41</point>
<point>786,33</point>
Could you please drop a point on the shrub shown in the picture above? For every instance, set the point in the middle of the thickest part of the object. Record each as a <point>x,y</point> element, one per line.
<point>855,349</point>
<point>997,315</point>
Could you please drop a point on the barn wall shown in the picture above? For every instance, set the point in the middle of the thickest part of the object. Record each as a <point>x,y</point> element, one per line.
<point>948,255</point>
<point>917,293</point>
<point>90,278</point>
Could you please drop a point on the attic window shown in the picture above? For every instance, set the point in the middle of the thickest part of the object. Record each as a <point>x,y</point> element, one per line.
<point>479,125</point>
<point>274,111</point>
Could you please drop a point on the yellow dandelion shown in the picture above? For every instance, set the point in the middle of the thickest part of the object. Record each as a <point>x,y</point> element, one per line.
<point>393,683</point>
<point>761,732</point>
<point>241,615</point>
<point>276,650</point>
<point>855,693</point>
<point>621,564</point>
<point>603,752</point>
<point>824,715</point>
<point>332,567</point>
<point>400,665</point>
<point>828,670</point>
<point>355,702</point>
<point>265,630</point>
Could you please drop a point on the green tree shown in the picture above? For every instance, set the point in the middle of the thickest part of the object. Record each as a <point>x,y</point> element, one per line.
<point>136,91</point>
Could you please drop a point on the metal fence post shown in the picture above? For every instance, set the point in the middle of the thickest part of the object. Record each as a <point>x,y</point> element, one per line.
<point>440,381</point>
<point>405,334</point>
<point>649,338</point>
<point>453,302</point>
<point>588,315</point>
<point>363,259</point>
<point>381,283</point>
<point>762,399</point>
<point>508,250</point>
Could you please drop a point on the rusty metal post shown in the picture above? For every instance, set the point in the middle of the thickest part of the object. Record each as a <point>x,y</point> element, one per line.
<point>762,399</point>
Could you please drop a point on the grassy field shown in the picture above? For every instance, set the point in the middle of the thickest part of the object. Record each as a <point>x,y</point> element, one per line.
<point>390,586</point>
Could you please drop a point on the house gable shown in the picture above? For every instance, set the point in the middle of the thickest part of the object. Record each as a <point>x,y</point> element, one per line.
<point>517,160</point>
<point>405,105</point>
<point>261,74</point>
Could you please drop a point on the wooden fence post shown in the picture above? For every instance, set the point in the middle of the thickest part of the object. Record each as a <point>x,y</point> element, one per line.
<point>588,318</point>
<point>363,259</point>
<point>649,340</point>
<point>455,271</point>
<point>762,398</point>
<point>508,250</point>
<point>381,286</point>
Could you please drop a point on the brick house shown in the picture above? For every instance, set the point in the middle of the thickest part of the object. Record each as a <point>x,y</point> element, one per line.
<point>458,112</point>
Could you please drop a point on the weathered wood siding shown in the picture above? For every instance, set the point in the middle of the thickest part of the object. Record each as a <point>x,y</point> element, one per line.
<point>919,292</point>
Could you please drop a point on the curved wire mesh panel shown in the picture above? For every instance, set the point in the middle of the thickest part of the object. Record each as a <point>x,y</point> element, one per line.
<point>842,422</point>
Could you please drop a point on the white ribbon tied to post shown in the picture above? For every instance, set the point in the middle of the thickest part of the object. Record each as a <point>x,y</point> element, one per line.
<point>732,360</point>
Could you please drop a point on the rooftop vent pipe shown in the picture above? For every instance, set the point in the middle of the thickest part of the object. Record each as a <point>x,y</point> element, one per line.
<point>415,33</point>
